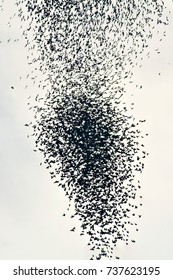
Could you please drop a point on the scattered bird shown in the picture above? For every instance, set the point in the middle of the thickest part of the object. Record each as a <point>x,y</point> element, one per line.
<point>88,50</point>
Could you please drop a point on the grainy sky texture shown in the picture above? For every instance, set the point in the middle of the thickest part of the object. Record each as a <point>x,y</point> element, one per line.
<point>31,206</point>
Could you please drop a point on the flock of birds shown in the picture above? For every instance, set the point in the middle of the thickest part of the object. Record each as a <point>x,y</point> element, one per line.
<point>91,144</point>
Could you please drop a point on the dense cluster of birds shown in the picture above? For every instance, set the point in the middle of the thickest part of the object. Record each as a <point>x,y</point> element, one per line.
<point>90,142</point>
<point>92,147</point>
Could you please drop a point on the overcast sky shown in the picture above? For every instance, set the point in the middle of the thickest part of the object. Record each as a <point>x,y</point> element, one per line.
<point>31,206</point>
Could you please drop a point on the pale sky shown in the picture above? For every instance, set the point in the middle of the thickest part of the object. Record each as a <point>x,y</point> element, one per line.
<point>31,206</point>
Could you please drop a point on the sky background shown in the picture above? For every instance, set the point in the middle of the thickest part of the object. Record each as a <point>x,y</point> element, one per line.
<point>31,206</point>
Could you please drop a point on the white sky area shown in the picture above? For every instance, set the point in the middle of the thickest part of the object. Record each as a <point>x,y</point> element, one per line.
<point>31,206</point>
